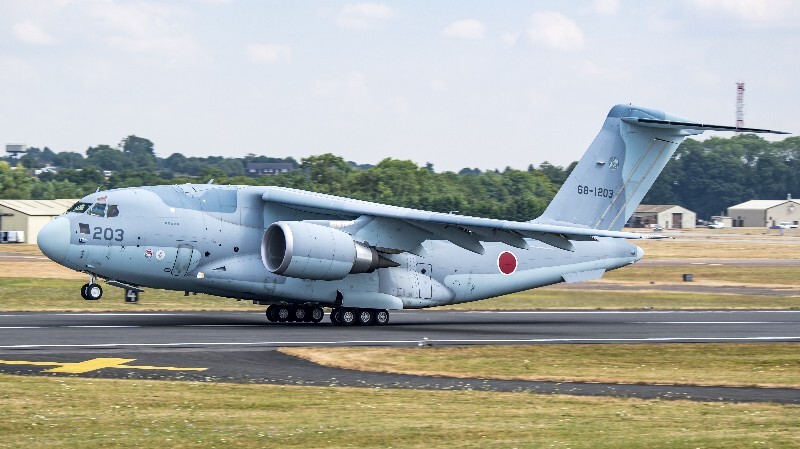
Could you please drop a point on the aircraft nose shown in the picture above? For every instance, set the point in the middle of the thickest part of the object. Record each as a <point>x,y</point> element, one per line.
<point>639,253</point>
<point>53,239</point>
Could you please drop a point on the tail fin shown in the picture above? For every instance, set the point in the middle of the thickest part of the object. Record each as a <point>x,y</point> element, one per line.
<point>620,166</point>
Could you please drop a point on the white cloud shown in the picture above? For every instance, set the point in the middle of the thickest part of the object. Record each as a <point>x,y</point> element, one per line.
<point>753,12</point>
<point>352,87</point>
<point>552,30</point>
<point>591,70</point>
<point>145,28</point>
<point>268,53</point>
<point>362,16</point>
<point>605,7</point>
<point>465,29</point>
<point>16,70</point>
<point>30,33</point>
<point>510,39</point>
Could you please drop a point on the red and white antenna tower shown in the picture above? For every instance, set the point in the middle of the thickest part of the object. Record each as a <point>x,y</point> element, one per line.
<point>740,105</point>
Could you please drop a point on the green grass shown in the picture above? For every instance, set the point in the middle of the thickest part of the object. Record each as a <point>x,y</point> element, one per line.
<point>41,412</point>
<point>556,298</point>
<point>746,364</point>
<point>736,274</point>
<point>36,294</point>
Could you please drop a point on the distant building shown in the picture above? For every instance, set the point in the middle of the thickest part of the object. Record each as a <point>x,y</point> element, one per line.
<point>267,168</point>
<point>29,216</point>
<point>668,216</point>
<point>765,213</point>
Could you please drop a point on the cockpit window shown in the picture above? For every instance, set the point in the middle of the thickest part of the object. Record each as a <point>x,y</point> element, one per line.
<point>79,207</point>
<point>98,209</point>
<point>113,211</point>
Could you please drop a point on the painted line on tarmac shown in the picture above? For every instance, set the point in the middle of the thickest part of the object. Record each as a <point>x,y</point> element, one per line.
<point>713,322</point>
<point>421,341</point>
<point>600,312</point>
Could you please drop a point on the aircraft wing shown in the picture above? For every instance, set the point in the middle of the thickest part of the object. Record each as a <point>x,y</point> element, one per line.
<point>464,231</point>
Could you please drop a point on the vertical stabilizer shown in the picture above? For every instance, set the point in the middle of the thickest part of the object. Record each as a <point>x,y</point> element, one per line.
<point>618,169</point>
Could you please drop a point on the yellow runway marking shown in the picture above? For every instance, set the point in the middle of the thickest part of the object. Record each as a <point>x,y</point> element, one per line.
<point>94,365</point>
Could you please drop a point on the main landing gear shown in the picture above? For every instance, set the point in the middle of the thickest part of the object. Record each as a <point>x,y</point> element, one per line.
<point>294,314</point>
<point>91,291</point>
<point>346,316</point>
<point>340,316</point>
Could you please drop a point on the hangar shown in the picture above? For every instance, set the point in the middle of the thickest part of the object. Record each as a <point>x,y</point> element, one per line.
<point>764,213</point>
<point>666,215</point>
<point>29,216</point>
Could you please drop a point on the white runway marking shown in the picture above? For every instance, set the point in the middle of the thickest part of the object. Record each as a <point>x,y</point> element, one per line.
<point>414,342</point>
<point>712,322</point>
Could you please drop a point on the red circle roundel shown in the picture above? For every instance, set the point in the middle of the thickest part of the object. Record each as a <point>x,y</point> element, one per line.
<point>507,262</point>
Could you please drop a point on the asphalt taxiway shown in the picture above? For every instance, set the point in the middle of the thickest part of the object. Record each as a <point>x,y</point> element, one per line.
<point>241,347</point>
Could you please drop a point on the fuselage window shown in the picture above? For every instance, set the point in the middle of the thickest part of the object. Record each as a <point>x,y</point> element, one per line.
<point>84,228</point>
<point>113,211</point>
<point>79,207</point>
<point>98,209</point>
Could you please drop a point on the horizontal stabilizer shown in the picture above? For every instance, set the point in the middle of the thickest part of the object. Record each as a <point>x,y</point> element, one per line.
<point>653,123</point>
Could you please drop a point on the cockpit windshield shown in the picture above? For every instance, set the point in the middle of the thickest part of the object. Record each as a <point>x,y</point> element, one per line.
<point>98,209</point>
<point>79,207</point>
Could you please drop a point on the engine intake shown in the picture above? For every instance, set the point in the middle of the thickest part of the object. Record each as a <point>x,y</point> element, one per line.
<point>309,251</point>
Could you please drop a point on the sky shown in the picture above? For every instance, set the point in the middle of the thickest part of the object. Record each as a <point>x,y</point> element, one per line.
<point>470,83</point>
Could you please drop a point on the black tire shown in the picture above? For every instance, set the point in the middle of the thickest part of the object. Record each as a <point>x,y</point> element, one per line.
<point>299,314</point>
<point>316,314</point>
<point>94,292</point>
<point>335,315</point>
<point>364,317</point>
<point>83,291</point>
<point>271,314</point>
<point>282,314</point>
<point>381,317</point>
<point>348,316</point>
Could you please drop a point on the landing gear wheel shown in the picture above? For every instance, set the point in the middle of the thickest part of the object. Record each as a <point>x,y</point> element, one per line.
<point>298,314</point>
<point>282,314</point>
<point>271,313</point>
<point>364,317</point>
<point>347,317</point>
<point>336,315</point>
<point>83,291</point>
<point>94,292</point>
<point>382,317</point>
<point>316,315</point>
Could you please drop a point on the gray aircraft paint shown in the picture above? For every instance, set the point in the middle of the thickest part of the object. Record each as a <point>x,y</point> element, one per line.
<point>211,239</point>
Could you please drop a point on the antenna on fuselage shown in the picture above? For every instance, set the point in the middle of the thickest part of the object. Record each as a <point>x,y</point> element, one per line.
<point>210,181</point>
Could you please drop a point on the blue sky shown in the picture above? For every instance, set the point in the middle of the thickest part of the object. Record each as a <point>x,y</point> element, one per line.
<point>458,84</point>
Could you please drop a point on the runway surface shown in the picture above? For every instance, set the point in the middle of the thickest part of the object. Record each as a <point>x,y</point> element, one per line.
<point>240,347</point>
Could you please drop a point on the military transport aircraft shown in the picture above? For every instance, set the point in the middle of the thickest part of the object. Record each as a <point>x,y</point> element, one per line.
<point>300,251</point>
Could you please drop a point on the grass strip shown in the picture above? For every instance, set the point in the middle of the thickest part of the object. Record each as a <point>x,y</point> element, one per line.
<point>747,364</point>
<point>58,295</point>
<point>556,298</point>
<point>66,412</point>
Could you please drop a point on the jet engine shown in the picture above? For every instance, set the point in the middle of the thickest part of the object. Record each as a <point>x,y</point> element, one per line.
<point>309,251</point>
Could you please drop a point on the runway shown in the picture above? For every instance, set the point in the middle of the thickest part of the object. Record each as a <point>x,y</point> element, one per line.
<point>240,347</point>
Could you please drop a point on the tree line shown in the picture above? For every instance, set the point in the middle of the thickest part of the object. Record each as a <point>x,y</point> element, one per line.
<point>706,177</point>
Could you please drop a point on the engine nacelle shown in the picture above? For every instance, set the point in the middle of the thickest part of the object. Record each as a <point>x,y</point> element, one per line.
<point>309,251</point>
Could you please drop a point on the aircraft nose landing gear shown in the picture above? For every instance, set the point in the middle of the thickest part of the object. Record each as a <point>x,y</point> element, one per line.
<point>91,291</point>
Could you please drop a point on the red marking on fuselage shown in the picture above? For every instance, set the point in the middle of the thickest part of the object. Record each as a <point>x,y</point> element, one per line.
<point>507,262</point>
